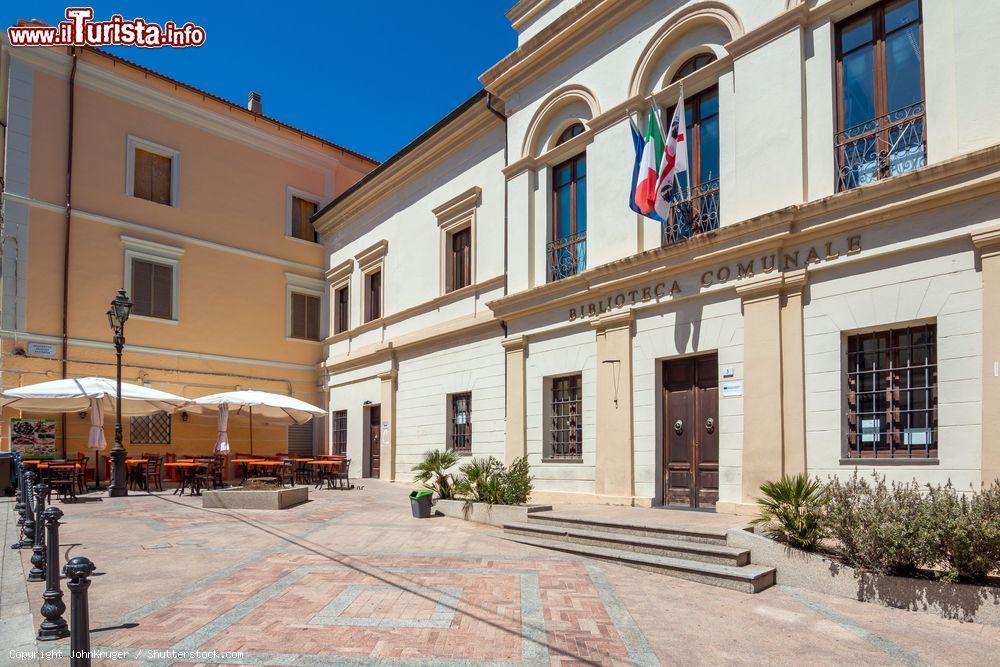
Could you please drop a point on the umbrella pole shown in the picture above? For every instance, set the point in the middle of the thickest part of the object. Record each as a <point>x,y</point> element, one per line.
<point>251,431</point>
<point>97,470</point>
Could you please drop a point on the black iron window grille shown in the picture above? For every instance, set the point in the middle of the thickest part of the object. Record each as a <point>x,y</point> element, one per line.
<point>460,437</point>
<point>892,394</point>
<point>693,212</point>
<point>886,146</point>
<point>152,429</point>
<point>566,430</point>
<point>568,256</point>
<point>339,432</point>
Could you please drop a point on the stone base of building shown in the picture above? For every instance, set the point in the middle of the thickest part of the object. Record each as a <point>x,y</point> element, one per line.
<point>732,507</point>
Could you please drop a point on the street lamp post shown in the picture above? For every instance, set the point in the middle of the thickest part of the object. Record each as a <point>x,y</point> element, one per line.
<point>117,315</point>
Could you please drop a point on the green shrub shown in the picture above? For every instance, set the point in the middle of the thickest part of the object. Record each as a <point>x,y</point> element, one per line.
<point>966,529</point>
<point>486,480</point>
<point>885,529</point>
<point>433,473</point>
<point>792,510</point>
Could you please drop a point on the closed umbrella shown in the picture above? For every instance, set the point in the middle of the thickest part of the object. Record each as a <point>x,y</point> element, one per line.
<point>94,394</point>
<point>273,407</point>
<point>222,440</point>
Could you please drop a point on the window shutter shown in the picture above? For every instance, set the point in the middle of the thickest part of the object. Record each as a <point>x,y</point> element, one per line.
<point>307,208</point>
<point>142,174</point>
<point>160,179</point>
<point>142,290</point>
<point>298,316</point>
<point>312,318</point>
<point>163,289</point>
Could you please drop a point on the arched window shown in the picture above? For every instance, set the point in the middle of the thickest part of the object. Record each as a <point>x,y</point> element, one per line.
<point>693,64</point>
<point>573,130</point>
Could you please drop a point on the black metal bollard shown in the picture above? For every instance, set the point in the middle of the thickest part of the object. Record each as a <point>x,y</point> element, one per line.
<point>54,626</point>
<point>37,572</point>
<point>78,571</point>
<point>19,501</point>
<point>28,529</point>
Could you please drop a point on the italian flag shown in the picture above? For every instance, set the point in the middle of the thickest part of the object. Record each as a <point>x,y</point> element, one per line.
<point>644,193</point>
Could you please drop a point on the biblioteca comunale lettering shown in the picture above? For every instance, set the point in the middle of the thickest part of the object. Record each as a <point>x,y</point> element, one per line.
<point>789,261</point>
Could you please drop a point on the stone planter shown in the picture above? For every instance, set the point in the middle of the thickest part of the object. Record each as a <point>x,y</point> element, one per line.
<point>255,499</point>
<point>800,569</point>
<point>495,515</point>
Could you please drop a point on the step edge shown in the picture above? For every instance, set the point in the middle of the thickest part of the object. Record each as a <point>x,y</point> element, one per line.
<point>721,550</point>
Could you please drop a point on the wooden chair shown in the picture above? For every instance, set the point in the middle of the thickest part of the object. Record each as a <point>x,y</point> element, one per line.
<point>286,471</point>
<point>340,473</point>
<point>81,462</point>
<point>63,481</point>
<point>152,471</point>
<point>204,477</point>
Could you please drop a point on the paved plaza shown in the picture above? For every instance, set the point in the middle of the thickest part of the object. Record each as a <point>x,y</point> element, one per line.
<point>352,578</point>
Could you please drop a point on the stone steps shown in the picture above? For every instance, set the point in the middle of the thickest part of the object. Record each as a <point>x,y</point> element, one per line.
<point>699,534</point>
<point>693,553</point>
<point>673,548</point>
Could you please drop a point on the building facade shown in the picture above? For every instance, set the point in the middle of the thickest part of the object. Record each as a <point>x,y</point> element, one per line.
<point>822,297</point>
<point>116,176</point>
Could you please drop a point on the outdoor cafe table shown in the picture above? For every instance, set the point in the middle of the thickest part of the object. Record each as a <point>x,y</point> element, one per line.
<point>187,469</point>
<point>325,465</point>
<point>249,464</point>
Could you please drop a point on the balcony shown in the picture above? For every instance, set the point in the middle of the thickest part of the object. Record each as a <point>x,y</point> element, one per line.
<point>886,146</point>
<point>567,256</point>
<point>692,213</point>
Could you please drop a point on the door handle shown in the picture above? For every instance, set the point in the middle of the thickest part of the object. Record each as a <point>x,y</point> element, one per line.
<point>679,426</point>
<point>710,425</point>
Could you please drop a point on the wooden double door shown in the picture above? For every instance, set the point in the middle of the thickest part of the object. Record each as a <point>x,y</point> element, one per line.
<point>691,431</point>
<point>374,440</point>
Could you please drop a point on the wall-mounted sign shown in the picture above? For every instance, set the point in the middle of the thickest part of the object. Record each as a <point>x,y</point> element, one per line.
<point>734,388</point>
<point>42,349</point>
<point>728,372</point>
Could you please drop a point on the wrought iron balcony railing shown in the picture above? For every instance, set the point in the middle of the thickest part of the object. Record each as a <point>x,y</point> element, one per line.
<point>692,213</point>
<point>567,256</point>
<point>885,146</point>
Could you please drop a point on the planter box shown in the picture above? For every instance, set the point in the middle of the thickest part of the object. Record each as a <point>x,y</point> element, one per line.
<point>255,499</point>
<point>495,515</point>
<point>800,569</point>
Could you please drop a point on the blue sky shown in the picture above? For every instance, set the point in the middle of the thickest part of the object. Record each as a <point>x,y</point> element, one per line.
<point>368,75</point>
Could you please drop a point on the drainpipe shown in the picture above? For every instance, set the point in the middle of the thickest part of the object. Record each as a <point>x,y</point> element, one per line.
<point>69,224</point>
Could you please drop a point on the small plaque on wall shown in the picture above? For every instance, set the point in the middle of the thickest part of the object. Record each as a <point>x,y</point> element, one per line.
<point>731,389</point>
<point>42,349</point>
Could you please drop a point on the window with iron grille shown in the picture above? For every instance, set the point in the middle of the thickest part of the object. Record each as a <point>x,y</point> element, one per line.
<point>568,248</point>
<point>565,440</point>
<point>152,429</point>
<point>460,436</point>
<point>892,394</point>
<point>339,444</point>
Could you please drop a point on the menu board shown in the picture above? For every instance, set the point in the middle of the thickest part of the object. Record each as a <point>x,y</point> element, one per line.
<point>33,438</point>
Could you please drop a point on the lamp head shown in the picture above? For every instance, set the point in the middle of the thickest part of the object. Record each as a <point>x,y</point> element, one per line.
<point>120,309</point>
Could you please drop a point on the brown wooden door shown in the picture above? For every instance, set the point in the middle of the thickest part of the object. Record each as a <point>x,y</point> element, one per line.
<point>374,439</point>
<point>691,432</point>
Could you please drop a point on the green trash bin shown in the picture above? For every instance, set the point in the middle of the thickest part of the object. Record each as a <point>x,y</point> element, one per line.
<point>420,504</point>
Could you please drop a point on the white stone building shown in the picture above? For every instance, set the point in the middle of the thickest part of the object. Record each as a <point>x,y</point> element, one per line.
<point>823,296</point>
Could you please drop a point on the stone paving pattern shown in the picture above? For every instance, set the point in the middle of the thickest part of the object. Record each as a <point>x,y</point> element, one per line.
<point>352,578</point>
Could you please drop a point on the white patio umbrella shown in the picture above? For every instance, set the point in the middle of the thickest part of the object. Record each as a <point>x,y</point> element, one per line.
<point>96,395</point>
<point>273,407</point>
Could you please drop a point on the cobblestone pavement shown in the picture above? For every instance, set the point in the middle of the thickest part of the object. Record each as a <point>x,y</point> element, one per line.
<point>351,578</point>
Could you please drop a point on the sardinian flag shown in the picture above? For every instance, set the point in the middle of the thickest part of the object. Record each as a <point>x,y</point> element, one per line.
<point>674,161</point>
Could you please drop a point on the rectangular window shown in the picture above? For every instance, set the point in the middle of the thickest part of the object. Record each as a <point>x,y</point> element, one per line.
<point>302,211</point>
<point>568,248</point>
<point>373,296</point>
<point>151,177</point>
<point>880,94</point>
<point>566,425</point>
<point>339,443</point>
<point>152,289</point>
<point>305,316</point>
<point>892,394</point>
<point>153,429</point>
<point>342,310</point>
<point>461,259</point>
<point>460,435</point>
